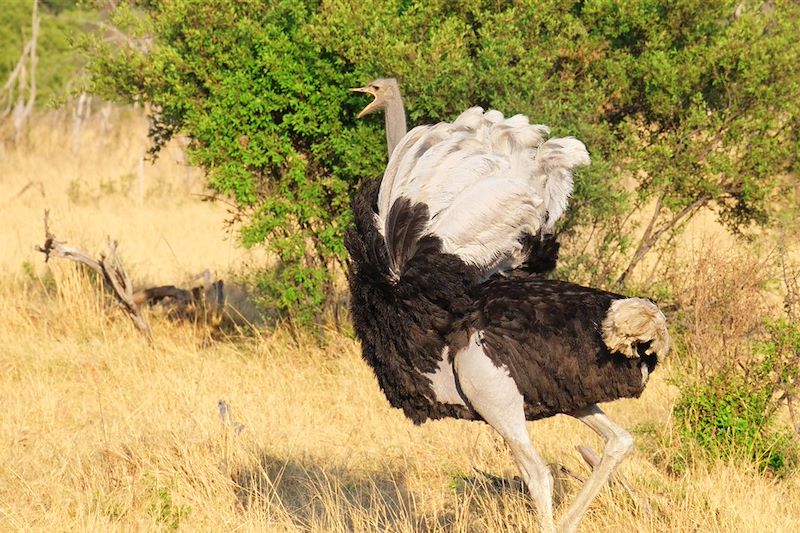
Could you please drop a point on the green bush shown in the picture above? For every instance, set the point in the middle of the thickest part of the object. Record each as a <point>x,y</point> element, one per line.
<point>727,418</point>
<point>692,102</point>
<point>733,412</point>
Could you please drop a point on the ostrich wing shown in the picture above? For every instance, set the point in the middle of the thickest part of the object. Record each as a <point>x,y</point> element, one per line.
<point>486,181</point>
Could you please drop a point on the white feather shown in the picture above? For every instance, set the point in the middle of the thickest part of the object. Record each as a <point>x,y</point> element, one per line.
<point>487,181</point>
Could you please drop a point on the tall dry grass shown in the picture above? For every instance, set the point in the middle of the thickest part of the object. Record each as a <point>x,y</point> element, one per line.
<point>103,432</point>
<point>108,188</point>
<point>721,292</point>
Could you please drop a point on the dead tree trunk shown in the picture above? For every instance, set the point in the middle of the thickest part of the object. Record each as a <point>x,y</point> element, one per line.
<point>80,114</point>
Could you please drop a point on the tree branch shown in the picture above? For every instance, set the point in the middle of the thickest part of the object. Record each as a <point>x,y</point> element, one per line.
<point>109,267</point>
<point>648,241</point>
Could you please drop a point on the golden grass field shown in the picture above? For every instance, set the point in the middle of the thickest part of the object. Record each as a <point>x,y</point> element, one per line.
<point>102,432</point>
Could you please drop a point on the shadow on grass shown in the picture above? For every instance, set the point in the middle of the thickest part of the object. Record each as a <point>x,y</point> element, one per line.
<point>322,497</point>
<point>489,484</point>
<point>316,497</point>
<point>484,482</point>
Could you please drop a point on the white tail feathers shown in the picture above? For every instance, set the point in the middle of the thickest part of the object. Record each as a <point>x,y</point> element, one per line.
<point>487,181</point>
<point>635,321</point>
<point>554,161</point>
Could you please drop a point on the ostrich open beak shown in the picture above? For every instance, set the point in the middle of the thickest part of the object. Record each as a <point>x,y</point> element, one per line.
<point>372,106</point>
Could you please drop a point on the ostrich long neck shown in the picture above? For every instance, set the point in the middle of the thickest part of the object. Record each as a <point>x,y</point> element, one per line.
<point>395,117</point>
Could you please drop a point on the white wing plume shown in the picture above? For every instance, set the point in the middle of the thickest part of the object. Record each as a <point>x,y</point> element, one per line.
<point>487,181</point>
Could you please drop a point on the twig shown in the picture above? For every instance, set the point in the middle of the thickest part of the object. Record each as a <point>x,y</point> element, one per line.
<point>227,418</point>
<point>494,482</point>
<point>568,472</point>
<point>38,185</point>
<point>649,240</point>
<point>203,303</point>
<point>109,267</point>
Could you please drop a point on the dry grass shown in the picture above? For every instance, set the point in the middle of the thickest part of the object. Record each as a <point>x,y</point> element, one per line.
<point>102,432</point>
<point>721,292</point>
<point>154,210</point>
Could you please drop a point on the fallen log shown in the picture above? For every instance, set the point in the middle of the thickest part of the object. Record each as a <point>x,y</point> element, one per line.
<point>204,303</point>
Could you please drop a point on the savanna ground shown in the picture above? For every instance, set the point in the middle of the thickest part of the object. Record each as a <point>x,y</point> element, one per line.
<point>103,432</point>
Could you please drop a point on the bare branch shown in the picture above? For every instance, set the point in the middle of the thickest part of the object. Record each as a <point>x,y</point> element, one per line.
<point>31,185</point>
<point>109,267</point>
<point>14,74</point>
<point>205,303</point>
<point>648,241</point>
<point>563,469</point>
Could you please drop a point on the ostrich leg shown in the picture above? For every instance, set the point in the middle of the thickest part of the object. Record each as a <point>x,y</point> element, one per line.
<point>618,443</point>
<point>495,396</point>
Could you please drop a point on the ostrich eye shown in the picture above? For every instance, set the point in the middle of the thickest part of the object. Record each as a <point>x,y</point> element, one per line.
<point>374,87</point>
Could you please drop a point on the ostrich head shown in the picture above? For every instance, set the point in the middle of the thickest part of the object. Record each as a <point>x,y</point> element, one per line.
<point>384,91</point>
<point>386,96</point>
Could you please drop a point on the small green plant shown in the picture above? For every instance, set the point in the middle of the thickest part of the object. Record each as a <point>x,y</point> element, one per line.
<point>164,510</point>
<point>110,506</point>
<point>727,417</point>
<point>28,269</point>
<point>75,192</point>
<point>733,411</point>
<point>458,481</point>
<point>45,280</point>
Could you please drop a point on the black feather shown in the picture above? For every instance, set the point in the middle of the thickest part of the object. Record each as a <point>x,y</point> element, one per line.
<point>541,254</point>
<point>404,226</point>
<point>402,326</point>
<point>547,333</point>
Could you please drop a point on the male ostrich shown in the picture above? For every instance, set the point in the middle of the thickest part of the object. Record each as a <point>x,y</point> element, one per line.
<point>452,323</point>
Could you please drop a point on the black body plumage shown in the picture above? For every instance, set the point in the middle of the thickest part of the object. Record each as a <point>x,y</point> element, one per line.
<point>547,333</point>
<point>403,324</point>
<point>411,300</point>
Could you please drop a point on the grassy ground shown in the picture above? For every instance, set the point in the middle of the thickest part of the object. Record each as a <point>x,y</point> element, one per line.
<point>102,432</point>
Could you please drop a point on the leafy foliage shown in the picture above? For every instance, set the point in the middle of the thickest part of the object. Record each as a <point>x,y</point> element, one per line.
<point>739,369</point>
<point>59,65</point>
<point>692,103</point>
<point>732,415</point>
<point>268,111</point>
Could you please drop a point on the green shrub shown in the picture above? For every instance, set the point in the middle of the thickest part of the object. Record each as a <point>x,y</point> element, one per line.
<point>726,417</point>
<point>733,412</point>
<point>781,356</point>
<point>271,122</point>
<point>694,102</point>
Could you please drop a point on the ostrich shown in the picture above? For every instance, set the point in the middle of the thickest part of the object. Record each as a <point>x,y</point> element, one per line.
<point>452,323</point>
